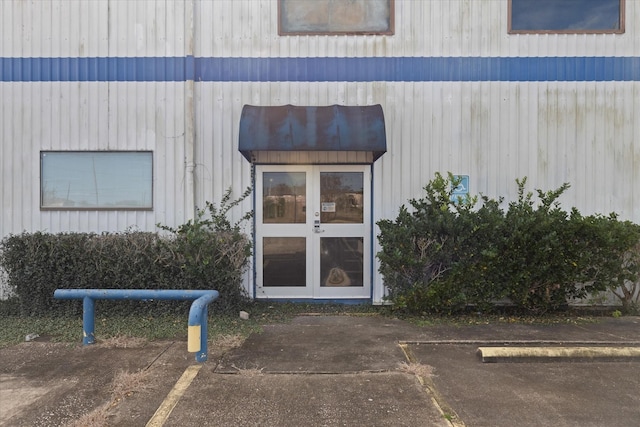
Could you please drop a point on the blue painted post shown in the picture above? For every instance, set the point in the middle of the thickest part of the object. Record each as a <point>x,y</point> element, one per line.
<point>201,356</point>
<point>198,313</point>
<point>197,331</point>
<point>88,321</point>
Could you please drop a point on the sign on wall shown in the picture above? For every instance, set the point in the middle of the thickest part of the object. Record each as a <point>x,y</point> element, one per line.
<point>335,17</point>
<point>461,191</point>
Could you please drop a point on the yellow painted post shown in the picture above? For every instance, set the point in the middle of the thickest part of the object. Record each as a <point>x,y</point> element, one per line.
<point>193,339</point>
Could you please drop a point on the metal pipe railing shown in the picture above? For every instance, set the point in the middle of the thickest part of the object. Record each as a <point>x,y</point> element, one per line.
<point>198,313</point>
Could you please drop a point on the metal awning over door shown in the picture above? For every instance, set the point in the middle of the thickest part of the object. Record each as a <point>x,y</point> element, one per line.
<point>333,134</point>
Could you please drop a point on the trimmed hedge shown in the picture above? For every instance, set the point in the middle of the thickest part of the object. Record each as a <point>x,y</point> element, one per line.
<point>205,253</point>
<point>445,254</point>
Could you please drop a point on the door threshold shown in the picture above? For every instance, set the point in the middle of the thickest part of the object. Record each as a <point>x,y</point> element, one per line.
<point>343,301</point>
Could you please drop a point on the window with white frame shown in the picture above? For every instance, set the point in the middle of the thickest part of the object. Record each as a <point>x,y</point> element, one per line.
<point>96,180</point>
<point>566,16</point>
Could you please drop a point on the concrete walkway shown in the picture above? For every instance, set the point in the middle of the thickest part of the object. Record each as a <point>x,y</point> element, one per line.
<point>338,371</point>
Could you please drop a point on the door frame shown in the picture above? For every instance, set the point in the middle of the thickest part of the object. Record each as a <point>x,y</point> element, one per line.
<point>313,289</point>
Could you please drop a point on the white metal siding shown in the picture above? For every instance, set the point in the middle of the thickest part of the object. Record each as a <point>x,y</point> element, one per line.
<point>101,28</point>
<point>582,132</point>
<point>422,28</point>
<point>90,116</point>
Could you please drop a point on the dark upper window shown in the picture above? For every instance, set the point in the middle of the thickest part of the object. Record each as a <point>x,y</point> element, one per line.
<point>335,17</point>
<point>96,180</point>
<point>566,16</point>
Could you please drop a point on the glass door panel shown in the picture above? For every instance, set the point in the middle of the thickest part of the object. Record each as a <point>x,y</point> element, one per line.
<point>341,197</point>
<point>341,261</point>
<point>283,245</point>
<point>284,198</point>
<point>284,261</point>
<point>344,232</point>
<point>313,231</point>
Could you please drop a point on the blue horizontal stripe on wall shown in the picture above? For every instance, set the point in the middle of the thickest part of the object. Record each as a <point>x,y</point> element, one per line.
<point>412,69</point>
<point>119,69</point>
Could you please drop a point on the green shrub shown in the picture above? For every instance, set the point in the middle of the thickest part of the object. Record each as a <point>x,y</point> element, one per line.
<point>420,248</point>
<point>627,284</point>
<point>205,253</point>
<point>38,263</point>
<point>443,255</point>
<point>618,260</point>
<point>475,275</point>
<point>543,252</point>
<point>209,252</point>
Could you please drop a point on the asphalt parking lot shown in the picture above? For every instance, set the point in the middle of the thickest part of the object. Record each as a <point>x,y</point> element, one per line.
<point>331,371</point>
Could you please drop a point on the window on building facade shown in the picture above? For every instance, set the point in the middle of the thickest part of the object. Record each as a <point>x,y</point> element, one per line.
<point>335,17</point>
<point>566,16</point>
<point>96,180</point>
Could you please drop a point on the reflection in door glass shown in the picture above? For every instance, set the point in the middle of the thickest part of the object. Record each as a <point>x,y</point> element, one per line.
<point>341,262</point>
<point>284,261</point>
<point>284,198</point>
<point>341,197</point>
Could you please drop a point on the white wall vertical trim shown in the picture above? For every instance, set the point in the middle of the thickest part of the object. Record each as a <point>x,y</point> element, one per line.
<point>189,126</point>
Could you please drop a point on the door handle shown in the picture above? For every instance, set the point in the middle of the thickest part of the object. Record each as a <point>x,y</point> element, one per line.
<point>316,227</point>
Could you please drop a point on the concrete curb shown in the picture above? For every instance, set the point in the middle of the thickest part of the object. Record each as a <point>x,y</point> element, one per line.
<point>580,353</point>
<point>525,343</point>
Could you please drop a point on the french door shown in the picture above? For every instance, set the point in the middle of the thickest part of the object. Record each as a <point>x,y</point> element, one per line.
<point>313,228</point>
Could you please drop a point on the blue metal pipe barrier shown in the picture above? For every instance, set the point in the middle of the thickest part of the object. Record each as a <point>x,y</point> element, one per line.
<point>198,313</point>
